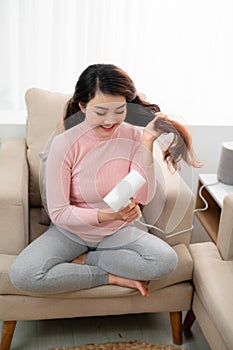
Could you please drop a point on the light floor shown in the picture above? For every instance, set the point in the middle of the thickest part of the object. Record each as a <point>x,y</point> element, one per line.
<point>42,335</point>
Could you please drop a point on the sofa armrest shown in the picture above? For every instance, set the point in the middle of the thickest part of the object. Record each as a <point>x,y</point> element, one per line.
<point>13,195</point>
<point>225,231</point>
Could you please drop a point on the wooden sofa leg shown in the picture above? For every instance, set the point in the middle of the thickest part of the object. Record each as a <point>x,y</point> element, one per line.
<point>176,324</point>
<point>8,328</point>
<point>188,321</point>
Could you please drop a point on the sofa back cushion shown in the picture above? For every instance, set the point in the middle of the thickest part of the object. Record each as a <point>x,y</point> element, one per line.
<point>44,116</point>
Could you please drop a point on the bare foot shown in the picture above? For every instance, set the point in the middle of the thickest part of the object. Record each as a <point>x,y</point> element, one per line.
<point>80,259</point>
<point>125,282</point>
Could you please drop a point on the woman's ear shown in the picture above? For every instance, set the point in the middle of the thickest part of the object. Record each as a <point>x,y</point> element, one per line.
<point>82,107</point>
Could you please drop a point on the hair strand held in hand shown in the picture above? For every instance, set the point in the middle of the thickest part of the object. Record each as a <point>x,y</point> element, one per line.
<point>180,147</point>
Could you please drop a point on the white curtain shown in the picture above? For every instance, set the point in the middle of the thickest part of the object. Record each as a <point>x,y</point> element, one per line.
<point>178,52</point>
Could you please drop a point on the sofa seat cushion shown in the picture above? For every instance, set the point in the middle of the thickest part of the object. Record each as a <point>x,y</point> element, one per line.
<point>213,280</point>
<point>182,273</point>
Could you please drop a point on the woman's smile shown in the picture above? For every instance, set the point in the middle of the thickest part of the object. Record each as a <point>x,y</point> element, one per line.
<point>108,127</point>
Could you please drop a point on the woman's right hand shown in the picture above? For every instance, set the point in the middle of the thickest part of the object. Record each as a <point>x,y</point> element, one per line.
<point>129,213</point>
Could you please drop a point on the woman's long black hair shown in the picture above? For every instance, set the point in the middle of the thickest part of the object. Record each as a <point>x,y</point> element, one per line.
<point>112,80</point>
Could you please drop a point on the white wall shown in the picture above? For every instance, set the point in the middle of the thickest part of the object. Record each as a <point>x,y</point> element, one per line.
<point>10,130</point>
<point>177,52</point>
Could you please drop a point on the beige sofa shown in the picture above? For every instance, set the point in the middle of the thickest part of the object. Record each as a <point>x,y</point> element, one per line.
<point>213,280</point>
<point>20,214</point>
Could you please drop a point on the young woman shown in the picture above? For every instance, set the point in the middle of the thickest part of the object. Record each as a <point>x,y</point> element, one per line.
<point>88,244</point>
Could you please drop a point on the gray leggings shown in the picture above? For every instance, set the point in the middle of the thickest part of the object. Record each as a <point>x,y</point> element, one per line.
<point>44,265</point>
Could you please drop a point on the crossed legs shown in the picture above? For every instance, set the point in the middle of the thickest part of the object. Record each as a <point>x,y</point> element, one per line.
<point>55,264</point>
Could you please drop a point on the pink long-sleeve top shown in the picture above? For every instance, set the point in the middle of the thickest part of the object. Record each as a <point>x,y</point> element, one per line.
<point>82,167</point>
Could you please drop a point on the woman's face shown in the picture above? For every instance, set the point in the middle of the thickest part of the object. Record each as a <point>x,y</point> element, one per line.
<point>105,112</point>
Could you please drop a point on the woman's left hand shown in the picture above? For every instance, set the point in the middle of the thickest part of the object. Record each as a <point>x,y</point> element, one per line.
<point>150,133</point>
